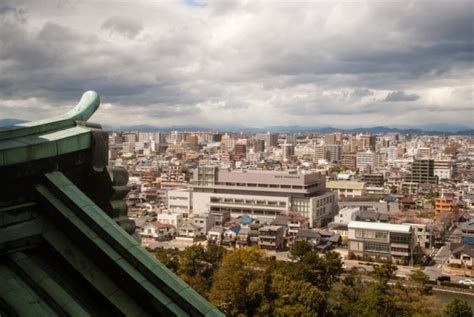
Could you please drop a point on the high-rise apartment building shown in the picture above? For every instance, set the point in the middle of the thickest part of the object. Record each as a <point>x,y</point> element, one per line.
<point>288,150</point>
<point>349,160</point>
<point>422,171</point>
<point>291,139</point>
<point>332,152</point>
<point>443,169</point>
<point>259,146</point>
<point>271,139</point>
<point>330,139</point>
<point>240,149</point>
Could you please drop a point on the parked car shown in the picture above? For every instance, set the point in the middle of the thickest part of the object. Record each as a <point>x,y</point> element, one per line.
<point>466,282</point>
<point>444,278</point>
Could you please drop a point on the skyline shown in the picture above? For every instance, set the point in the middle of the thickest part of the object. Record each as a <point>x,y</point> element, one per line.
<point>253,64</point>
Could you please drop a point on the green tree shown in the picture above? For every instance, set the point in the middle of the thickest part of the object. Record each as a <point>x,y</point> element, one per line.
<point>376,303</point>
<point>420,281</point>
<point>198,264</point>
<point>236,279</point>
<point>321,270</point>
<point>169,258</point>
<point>346,293</point>
<point>296,298</point>
<point>384,273</point>
<point>299,249</point>
<point>457,308</point>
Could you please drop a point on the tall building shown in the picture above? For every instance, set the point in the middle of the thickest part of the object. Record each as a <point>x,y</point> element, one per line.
<point>443,169</point>
<point>240,149</point>
<point>349,160</point>
<point>263,194</point>
<point>228,141</point>
<point>368,141</point>
<point>422,171</point>
<point>332,152</point>
<point>424,152</point>
<point>365,159</point>
<point>271,139</point>
<point>291,139</point>
<point>392,153</point>
<point>158,137</point>
<point>319,152</point>
<point>216,137</point>
<point>192,139</point>
<point>288,150</point>
<point>330,139</point>
<point>356,145</point>
<point>259,146</point>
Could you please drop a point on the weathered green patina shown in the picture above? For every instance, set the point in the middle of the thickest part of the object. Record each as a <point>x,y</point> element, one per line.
<point>65,243</point>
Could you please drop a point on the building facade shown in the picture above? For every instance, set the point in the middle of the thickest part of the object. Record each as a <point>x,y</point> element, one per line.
<point>386,241</point>
<point>263,194</point>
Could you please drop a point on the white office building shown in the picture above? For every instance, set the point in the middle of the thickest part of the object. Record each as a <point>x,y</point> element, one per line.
<point>263,194</point>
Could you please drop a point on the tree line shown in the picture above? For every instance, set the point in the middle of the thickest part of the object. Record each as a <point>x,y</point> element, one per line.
<point>246,282</point>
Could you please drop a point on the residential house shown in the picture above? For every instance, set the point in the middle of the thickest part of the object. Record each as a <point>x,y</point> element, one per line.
<point>271,237</point>
<point>214,235</point>
<point>157,231</point>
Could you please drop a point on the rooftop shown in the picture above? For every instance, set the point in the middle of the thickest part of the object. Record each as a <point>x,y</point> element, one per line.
<point>379,226</point>
<point>345,185</point>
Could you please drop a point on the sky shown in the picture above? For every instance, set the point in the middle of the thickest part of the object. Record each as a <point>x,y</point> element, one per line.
<point>218,63</point>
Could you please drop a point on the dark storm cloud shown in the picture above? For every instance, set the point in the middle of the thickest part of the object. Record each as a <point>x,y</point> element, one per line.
<point>396,96</point>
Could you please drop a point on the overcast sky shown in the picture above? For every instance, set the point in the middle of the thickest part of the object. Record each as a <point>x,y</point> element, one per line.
<point>251,63</point>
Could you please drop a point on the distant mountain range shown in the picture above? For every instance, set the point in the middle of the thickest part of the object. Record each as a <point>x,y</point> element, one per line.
<point>295,129</point>
<point>280,129</point>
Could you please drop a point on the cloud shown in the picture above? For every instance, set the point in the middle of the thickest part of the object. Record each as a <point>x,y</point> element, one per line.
<point>175,63</point>
<point>122,25</point>
<point>396,96</point>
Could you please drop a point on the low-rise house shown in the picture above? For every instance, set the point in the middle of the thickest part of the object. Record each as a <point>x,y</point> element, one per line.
<point>295,223</point>
<point>254,232</point>
<point>202,221</point>
<point>243,237</point>
<point>346,215</point>
<point>220,218</point>
<point>230,235</point>
<point>174,219</point>
<point>214,235</point>
<point>157,231</point>
<point>311,236</point>
<point>462,254</point>
<point>189,231</point>
<point>423,234</point>
<point>341,229</point>
<point>271,237</point>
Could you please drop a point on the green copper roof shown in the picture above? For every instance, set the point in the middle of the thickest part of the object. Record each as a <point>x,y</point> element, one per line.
<point>173,294</point>
<point>35,140</point>
<point>86,107</point>
<point>61,253</point>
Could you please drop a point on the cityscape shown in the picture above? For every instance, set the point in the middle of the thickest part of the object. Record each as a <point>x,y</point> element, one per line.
<point>405,199</point>
<point>237,158</point>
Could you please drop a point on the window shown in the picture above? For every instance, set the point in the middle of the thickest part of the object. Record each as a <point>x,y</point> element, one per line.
<point>372,235</point>
<point>400,238</point>
<point>376,247</point>
<point>395,249</point>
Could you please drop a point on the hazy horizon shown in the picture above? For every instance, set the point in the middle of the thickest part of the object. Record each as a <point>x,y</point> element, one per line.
<point>399,64</point>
